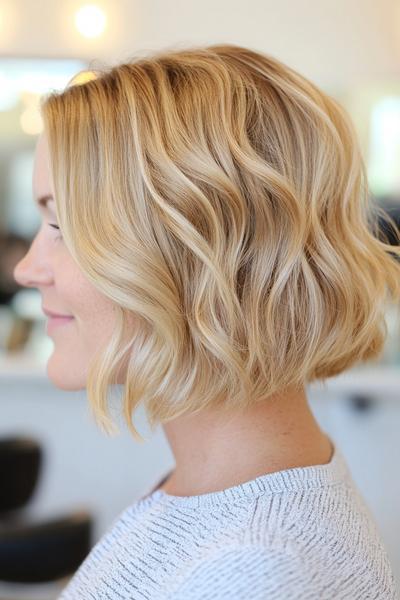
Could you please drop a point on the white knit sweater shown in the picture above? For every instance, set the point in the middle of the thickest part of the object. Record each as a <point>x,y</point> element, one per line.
<point>302,533</point>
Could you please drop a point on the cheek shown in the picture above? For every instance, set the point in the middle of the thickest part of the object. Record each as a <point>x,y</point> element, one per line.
<point>96,327</point>
<point>74,348</point>
<point>77,342</point>
<point>81,299</point>
<point>68,362</point>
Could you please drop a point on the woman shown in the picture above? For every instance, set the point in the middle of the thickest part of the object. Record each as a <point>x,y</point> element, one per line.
<point>217,254</point>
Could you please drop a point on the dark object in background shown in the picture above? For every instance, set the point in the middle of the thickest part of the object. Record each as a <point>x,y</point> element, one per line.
<point>392,208</point>
<point>20,461</point>
<point>13,248</point>
<point>35,552</point>
<point>362,403</point>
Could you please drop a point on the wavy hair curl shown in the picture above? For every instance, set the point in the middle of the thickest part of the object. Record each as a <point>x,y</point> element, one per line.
<point>219,198</point>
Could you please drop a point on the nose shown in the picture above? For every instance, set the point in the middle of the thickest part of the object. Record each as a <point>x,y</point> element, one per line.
<point>33,269</point>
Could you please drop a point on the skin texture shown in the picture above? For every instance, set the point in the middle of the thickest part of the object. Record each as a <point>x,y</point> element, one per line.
<point>212,451</point>
<point>49,267</point>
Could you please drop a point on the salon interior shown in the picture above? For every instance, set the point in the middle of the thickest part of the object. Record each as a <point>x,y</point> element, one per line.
<point>63,480</point>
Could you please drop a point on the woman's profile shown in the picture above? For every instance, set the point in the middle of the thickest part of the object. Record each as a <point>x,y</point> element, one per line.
<point>217,251</point>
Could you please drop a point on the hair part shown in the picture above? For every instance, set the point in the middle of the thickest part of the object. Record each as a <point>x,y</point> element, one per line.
<point>220,199</point>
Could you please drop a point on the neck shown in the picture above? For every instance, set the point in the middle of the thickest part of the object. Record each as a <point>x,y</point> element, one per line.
<point>215,450</point>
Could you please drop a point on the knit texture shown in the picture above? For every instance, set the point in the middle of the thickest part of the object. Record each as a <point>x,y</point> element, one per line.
<point>299,534</point>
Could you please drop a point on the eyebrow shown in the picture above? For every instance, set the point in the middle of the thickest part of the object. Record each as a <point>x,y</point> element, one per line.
<point>42,200</point>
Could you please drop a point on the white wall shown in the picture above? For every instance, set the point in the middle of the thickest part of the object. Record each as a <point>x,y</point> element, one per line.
<point>337,43</point>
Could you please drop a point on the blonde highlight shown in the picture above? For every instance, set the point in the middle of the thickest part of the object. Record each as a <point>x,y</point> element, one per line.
<point>220,199</point>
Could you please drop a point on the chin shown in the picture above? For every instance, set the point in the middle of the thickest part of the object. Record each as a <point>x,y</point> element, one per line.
<point>65,379</point>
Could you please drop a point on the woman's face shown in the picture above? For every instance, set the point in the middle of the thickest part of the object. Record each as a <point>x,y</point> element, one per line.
<point>49,267</point>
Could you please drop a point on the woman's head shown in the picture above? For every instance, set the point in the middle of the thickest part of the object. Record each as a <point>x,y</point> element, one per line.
<point>217,202</point>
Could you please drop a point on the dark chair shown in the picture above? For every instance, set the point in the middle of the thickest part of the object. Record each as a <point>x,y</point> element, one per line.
<point>35,552</point>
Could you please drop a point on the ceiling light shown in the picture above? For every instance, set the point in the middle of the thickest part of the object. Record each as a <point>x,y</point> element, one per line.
<point>90,20</point>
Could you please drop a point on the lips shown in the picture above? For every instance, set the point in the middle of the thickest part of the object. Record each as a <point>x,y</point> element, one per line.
<point>54,323</point>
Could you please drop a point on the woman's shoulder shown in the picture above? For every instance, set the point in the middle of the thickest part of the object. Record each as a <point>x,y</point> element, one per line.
<point>259,572</point>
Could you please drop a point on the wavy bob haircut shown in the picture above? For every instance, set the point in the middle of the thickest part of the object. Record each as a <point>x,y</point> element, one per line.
<point>221,200</point>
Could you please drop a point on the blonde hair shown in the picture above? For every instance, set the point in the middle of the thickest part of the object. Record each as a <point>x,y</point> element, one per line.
<point>221,200</point>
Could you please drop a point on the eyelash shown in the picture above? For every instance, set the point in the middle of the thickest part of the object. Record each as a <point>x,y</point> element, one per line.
<point>57,228</point>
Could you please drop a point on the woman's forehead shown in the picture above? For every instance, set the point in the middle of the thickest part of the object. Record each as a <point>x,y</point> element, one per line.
<point>41,177</point>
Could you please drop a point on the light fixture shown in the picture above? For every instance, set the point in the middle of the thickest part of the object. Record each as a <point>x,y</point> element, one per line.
<point>90,20</point>
<point>31,121</point>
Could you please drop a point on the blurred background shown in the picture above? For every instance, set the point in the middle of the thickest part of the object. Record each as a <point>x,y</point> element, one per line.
<point>63,481</point>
